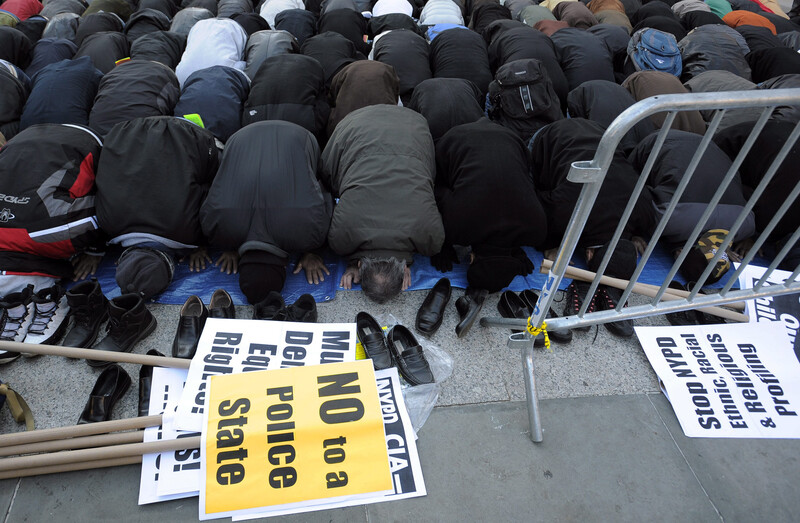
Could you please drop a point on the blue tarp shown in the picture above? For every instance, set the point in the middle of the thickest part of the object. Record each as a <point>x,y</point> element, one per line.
<point>423,276</point>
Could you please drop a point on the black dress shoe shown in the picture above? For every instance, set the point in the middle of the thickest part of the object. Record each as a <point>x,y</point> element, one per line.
<point>531,297</point>
<point>408,355</point>
<point>221,305</point>
<point>271,308</point>
<point>108,389</point>
<point>370,334</point>
<point>304,309</point>
<point>512,306</point>
<point>431,312</point>
<point>607,299</point>
<point>469,306</point>
<point>145,384</point>
<point>190,327</point>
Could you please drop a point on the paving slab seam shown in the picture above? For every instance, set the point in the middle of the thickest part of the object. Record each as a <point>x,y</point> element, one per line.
<point>691,469</point>
<point>11,501</point>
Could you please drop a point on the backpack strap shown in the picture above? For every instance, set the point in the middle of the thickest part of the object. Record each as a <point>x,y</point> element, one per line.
<point>19,407</point>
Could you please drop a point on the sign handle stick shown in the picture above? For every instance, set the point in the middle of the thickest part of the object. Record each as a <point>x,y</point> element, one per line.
<point>98,453</point>
<point>102,440</point>
<point>85,465</point>
<point>76,431</point>
<point>93,354</point>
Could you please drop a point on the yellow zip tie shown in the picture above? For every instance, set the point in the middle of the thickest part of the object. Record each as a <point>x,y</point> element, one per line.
<point>19,408</point>
<point>542,330</point>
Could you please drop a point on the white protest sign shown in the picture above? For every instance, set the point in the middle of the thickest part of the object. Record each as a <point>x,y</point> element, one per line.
<point>230,346</point>
<point>784,308</point>
<point>401,444</point>
<point>728,381</point>
<point>165,385</point>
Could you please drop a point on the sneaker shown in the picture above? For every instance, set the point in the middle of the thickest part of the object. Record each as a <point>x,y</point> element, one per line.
<point>19,314</point>
<point>6,356</point>
<point>574,296</point>
<point>607,299</point>
<point>50,316</point>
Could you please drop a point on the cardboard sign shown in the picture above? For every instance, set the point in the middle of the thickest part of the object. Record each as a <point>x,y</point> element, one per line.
<point>401,445</point>
<point>166,384</point>
<point>784,308</point>
<point>728,381</point>
<point>293,436</point>
<point>229,347</point>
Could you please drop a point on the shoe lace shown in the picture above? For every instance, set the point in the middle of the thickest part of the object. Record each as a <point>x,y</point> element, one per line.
<point>12,326</point>
<point>41,319</point>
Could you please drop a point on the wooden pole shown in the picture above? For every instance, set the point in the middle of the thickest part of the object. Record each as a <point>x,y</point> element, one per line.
<point>102,440</point>
<point>85,465</point>
<point>95,454</point>
<point>93,354</point>
<point>76,431</point>
<point>644,289</point>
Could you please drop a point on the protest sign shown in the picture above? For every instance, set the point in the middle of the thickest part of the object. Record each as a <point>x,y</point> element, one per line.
<point>784,308</point>
<point>292,437</point>
<point>240,346</point>
<point>728,381</point>
<point>404,465</point>
<point>166,384</point>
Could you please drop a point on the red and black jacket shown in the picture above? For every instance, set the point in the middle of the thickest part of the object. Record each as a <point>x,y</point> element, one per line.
<point>47,203</point>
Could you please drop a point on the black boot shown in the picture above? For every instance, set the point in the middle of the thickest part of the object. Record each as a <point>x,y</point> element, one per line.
<point>130,321</point>
<point>90,309</point>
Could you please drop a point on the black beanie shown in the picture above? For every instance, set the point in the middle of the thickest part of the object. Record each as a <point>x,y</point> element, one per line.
<point>144,270</point>
<point>259,273</point>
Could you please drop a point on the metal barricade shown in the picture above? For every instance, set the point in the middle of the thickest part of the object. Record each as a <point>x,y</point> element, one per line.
<point>592,173</point>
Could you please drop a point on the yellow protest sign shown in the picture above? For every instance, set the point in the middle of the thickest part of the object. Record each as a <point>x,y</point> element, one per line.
<point>293,435</point>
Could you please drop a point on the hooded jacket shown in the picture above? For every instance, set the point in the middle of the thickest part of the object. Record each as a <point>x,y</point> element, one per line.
<point>484,190</point>
<point>134,89</point>
<point>266,195</point>
<point>409,54</point>
<point>153,176</point>
<point>217,94</point>
<point>669,169</point>
<point>289,87</point>
<point>62,93</point>
<point>553,150</point>
<point>215,41</point>
<point>601,102</point>
<point>165,47</point>
<point>104,49</point>
<point>263,44</point>
<point>184,20</point>
<point>358,85</point>
<point>47,183</point>
<point>445,103</point>
<point>583,56</point>
<point>14,92</point>
<point>716,81</point>
<point>644,84</point>
<point>461,53</point>
<point>380,163</point>
<point>705,49</point>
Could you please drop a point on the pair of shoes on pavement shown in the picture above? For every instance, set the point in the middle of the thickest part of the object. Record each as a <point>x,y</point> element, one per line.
<point>33,317</point>
<point>129,320</point>
<point>605,298</point>
<point>193,316</point>
<point>275,309</point>
<point>398,348</point>
<point>522,305</point>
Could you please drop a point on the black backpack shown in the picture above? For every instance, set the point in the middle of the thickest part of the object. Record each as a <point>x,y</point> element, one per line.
<point>521,97</point>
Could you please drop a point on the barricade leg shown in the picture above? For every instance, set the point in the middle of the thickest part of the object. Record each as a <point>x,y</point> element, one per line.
<point>530,390</point>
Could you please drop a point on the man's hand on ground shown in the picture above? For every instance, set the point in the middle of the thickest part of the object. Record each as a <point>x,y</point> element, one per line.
<point>198,259</point>
<point>314,268</point>
<point>228,262</point>
<point>350,277</point>
<point>84,265</point>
